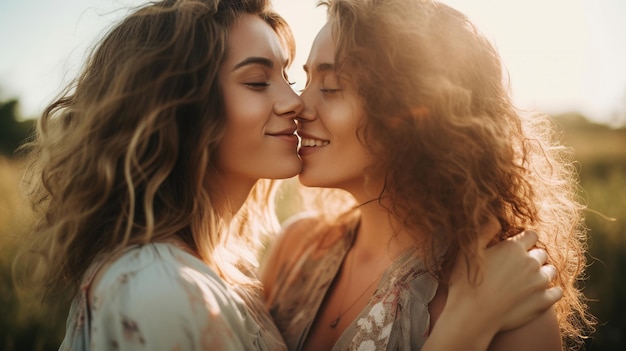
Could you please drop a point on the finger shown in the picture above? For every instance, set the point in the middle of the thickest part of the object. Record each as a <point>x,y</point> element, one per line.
<point>540,255</point>
<point>554,294</point>
<point>549,271</point>
<point>527,239</point>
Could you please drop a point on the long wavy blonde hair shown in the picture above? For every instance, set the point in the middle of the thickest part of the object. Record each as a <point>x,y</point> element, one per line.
<point>126,154</point>
<point>457,152</point>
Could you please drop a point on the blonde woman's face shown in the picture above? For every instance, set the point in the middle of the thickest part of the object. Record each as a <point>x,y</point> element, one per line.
<point>260,106</point>
<point>332,153</point>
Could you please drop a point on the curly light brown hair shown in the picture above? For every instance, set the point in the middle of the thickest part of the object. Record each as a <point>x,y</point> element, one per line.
<point>457,152</point>
<point>126,154</point>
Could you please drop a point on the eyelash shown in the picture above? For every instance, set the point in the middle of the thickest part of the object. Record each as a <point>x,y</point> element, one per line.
<point>264,84</point>
<point>258,85</point>
<point>326,91</point>
<point>322,90</point>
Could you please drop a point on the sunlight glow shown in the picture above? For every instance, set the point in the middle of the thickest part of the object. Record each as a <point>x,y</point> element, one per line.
<point>562,55</point>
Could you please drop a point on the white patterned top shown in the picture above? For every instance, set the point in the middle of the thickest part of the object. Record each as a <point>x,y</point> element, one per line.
<point>159,297</point>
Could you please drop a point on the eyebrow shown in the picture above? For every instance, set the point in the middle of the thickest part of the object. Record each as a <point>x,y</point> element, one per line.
<point>254,60</point>
<point>322,67</point>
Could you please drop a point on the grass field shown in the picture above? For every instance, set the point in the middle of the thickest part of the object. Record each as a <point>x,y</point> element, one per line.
<point>25,324</point>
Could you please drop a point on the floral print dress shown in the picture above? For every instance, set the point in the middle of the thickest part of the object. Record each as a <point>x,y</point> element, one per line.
<point>159,297</point>
<point>395,318</point>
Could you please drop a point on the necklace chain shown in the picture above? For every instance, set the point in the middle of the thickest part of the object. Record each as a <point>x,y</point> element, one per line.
<point>335,321</point>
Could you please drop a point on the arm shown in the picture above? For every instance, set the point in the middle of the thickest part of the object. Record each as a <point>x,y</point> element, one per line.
<point>512,293</point>
<point>541,334</point>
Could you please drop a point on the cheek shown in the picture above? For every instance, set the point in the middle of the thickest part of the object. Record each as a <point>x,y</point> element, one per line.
<point>243,132</point>
<point>246,119</point>
<point>351,141</point>
<point>243,128</point>
<point>345,124</point>
<point>244,110</point>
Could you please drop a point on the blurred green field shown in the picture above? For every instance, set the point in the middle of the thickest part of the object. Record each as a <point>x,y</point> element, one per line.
<point>27,325</point>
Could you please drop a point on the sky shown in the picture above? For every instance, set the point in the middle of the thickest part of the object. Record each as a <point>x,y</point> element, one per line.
<point>561,55</point>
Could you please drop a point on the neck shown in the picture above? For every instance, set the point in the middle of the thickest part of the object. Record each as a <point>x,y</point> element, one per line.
<point>380,232</point>
<point>231,194</point>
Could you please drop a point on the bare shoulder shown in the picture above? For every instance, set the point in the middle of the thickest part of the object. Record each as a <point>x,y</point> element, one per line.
<point>540,334</point>
<point>299,229</point>
<point>296,234</point>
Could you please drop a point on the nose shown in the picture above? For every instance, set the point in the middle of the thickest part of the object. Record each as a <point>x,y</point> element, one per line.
<point>308,112</point>
<point>290,105</point>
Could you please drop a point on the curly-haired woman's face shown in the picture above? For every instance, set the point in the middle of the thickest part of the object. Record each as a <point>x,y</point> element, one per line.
<point>333,154</point>
<point>260,106</point>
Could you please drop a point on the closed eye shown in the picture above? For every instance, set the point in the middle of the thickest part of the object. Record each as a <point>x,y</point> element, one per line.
<point>330,91</point>
<point>258,85</point>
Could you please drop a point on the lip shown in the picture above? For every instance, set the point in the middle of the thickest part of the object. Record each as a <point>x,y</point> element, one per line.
<point>305,151</point>
<point>286,131</point>
<point>287,135</point>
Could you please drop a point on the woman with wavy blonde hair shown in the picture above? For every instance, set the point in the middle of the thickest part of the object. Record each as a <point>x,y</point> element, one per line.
<point>407,111</point>
<point>146,175</point>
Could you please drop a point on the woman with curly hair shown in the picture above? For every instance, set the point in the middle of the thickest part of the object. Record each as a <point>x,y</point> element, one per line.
<point>147,177</point>
<point>146,174</point>
<point>408,115</point>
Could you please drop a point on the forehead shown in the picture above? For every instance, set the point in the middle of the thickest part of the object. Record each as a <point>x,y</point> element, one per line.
<point>323,48</point>
<point>251,36</point>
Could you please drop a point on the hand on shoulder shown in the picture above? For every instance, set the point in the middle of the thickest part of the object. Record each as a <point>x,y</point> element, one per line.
<point>514,290</point>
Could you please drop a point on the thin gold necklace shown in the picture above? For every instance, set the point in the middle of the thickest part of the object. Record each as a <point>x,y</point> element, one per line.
<point>335,321</point>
